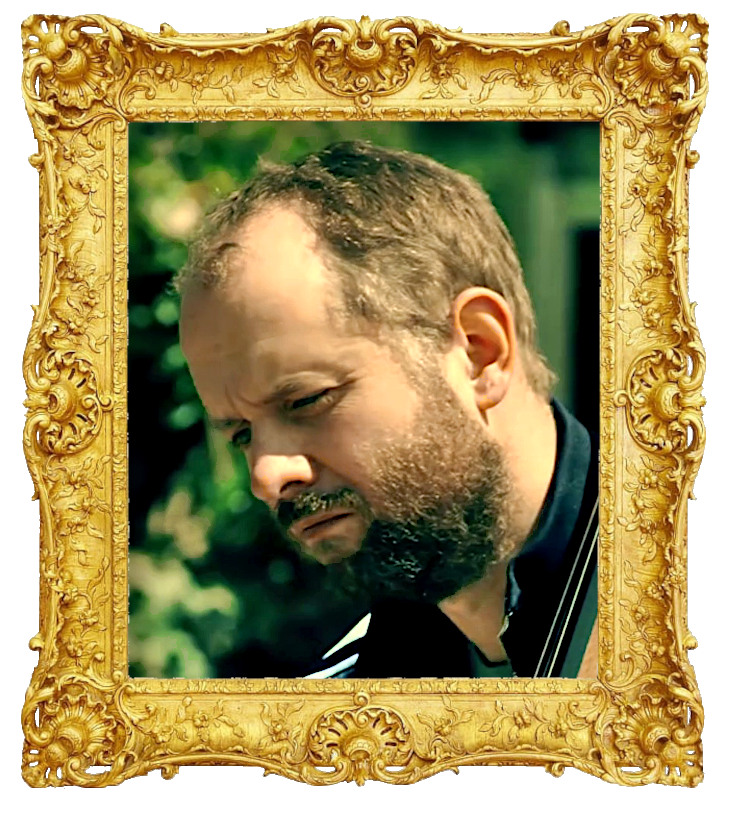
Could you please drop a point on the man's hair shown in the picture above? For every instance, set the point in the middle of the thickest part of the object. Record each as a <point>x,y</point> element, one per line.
<point>403,234</point>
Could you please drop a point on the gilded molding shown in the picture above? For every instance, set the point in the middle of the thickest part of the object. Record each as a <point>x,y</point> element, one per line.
<point>84,79</point>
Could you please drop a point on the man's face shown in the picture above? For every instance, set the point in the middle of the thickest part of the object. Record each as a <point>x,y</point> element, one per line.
<point>384,476</point>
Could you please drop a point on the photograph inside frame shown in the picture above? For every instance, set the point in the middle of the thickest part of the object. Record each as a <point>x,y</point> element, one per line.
<point>363,393</point>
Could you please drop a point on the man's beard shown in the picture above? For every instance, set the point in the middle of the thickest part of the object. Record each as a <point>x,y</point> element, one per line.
<point>439,514</point>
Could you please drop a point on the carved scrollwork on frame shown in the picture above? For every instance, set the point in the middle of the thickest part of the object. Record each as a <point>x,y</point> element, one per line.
<point>664,402</point>
<point>364,59</point>
<point>71,67</point>
<point>67,407</point>
<point>647,742</point>
<point>644,79</point>
<point>69,728</point>
<point>361,742</point>
<point>653,67</point>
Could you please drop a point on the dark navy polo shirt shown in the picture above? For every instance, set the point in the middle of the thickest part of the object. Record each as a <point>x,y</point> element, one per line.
<point>537,576</point>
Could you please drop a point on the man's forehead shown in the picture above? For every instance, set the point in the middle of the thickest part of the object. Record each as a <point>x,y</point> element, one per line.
<point>243,378</point>
<point>276,316</point>
<point>272,274</point>
<point>277,236</point>
<point>275,266</point>
<point>243,354</point>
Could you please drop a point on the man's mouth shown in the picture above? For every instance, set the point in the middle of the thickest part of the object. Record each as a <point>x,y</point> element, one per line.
<point>308,527</point>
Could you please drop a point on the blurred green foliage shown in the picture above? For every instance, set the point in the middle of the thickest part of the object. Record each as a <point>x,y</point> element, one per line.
<point>214,591</point>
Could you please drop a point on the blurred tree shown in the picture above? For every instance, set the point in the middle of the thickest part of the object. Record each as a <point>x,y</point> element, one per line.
<point>214,590</point>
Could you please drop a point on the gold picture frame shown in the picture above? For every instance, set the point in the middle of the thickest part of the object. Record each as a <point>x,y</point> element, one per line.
<point>86,722</point>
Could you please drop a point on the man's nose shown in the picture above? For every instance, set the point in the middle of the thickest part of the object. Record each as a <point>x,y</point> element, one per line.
<point>278,478</point>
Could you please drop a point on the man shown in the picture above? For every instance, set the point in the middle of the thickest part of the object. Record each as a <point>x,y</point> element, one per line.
<point>358,325</point>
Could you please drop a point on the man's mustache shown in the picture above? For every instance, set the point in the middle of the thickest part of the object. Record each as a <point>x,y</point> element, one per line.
<point>309,503</point>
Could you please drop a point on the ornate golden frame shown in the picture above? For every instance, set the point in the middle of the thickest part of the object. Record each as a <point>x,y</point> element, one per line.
<point>85,721</point>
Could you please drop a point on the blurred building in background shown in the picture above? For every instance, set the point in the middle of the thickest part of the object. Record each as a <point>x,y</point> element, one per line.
<point>214,591</point>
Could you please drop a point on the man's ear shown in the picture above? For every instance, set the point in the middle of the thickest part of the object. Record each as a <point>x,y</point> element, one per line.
<point>484,326</point>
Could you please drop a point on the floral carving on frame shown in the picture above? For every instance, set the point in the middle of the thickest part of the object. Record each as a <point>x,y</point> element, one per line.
<point>644,79</point>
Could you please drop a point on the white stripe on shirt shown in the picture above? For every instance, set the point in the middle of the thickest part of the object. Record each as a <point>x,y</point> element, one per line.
<point>357,632</point>
<point>334,669</point>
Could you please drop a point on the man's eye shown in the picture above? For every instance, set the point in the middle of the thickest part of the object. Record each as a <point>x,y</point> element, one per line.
<point>309,401</point>
<point>242,437</point>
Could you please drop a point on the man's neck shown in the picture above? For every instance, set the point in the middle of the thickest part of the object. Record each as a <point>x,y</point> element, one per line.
<point>529,440</point>
<point>478,611</point>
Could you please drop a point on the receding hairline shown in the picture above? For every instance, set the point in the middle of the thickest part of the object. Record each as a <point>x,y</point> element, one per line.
<point>221,267</point>
<point>215,266</point>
